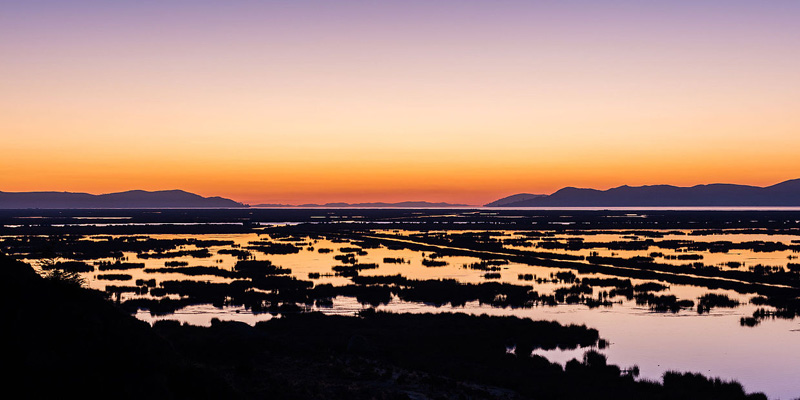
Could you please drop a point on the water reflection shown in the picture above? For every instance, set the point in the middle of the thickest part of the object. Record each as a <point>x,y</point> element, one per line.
<point>655,324</point>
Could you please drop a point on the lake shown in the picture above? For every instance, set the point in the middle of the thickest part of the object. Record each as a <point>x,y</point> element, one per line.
<point>644,327</point>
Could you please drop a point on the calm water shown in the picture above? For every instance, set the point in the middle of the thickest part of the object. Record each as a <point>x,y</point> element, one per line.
<point>763,358</point>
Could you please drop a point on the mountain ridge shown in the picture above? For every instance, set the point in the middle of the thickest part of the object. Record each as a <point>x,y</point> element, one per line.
<point>786,193</point>
<point>128,199</point>
<point>514,198</point>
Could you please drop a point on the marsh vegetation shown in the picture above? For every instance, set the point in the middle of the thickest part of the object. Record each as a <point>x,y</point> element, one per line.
<point>749,277</point>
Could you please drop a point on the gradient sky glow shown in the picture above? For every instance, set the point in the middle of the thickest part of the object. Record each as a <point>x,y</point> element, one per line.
<point>459,101</point>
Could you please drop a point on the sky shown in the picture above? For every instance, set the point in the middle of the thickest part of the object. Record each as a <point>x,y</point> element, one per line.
<point>457,101</point>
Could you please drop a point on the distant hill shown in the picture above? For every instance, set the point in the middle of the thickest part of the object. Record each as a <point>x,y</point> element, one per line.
<point>516,198</point>
<point>129,199</point>
<point>722,195</point>
<point>403,204</point>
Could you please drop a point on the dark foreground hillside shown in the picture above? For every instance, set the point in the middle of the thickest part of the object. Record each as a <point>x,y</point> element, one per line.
<point>62,340</point>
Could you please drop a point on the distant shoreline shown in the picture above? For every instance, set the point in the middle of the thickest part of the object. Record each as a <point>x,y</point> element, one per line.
<point>476,208</point>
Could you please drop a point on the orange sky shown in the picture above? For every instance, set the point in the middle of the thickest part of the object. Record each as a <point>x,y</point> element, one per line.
<point>275,103</point>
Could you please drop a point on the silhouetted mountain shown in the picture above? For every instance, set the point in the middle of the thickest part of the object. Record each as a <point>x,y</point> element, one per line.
<point>722,195</point>
<point>516,198</point>
<point>129,199</point>
<point>403,204</point>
